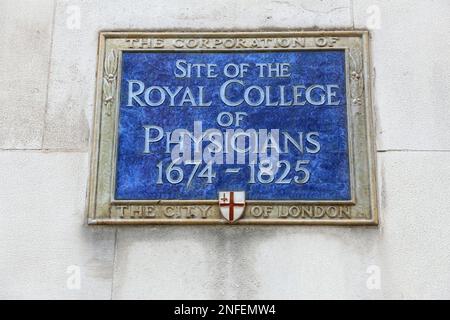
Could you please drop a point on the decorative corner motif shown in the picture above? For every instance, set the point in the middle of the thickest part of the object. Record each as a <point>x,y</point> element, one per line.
<point>110,81</point>
<point>356,85</point>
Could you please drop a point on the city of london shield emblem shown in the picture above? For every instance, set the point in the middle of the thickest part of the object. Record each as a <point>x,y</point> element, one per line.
<point>232,204</point>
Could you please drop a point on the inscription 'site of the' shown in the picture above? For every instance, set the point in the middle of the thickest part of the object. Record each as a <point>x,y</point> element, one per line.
<point>255,128</point>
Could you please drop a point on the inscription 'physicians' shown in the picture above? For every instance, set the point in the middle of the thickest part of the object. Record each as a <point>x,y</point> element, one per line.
<point>233,92</point>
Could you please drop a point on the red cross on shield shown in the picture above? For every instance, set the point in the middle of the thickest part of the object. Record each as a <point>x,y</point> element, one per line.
<point>232,204</point>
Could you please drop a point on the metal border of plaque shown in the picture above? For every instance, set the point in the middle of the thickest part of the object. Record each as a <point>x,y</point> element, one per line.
<point>360,210</point>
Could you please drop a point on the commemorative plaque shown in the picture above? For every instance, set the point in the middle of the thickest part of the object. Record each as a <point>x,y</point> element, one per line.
<point>233,128</point>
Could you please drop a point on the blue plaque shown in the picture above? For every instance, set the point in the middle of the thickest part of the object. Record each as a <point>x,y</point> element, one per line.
<point>214,128</point>
<point>298,96</point>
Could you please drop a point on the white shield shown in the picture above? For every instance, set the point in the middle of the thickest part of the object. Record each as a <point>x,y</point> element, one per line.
<point>232,204</point>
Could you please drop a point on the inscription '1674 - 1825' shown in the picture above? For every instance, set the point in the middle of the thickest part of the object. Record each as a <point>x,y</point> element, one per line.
<point>255,128</point>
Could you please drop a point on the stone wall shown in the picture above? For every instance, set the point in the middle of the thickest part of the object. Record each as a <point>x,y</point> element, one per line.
<point>47,84</point>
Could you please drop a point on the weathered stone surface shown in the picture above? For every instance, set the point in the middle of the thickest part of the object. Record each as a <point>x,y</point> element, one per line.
<point>43,236</point>
<point>74,56</point>
<point>24,66</point>
<point>412,85</point>
<point>242,262</point>
<point>413,248</point>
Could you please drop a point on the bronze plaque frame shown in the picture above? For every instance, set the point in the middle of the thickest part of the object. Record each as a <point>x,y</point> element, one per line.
<point>360,210</point>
